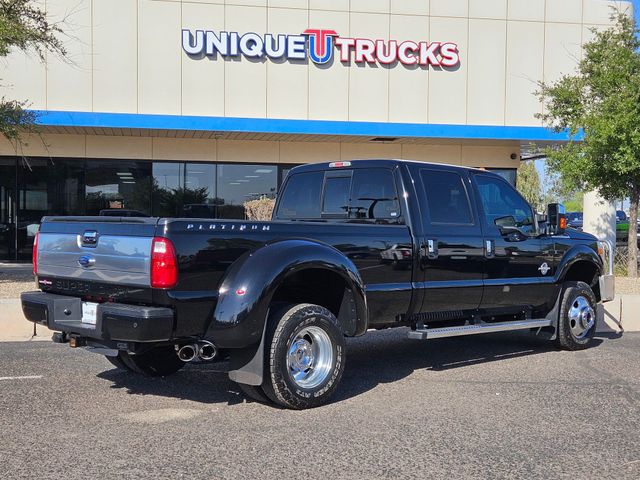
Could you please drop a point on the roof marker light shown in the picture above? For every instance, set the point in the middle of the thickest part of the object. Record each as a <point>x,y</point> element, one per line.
<point>339,164</point>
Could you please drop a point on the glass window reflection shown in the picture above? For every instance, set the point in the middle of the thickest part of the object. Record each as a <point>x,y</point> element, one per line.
<point>199,196</point>
<point>118,185</point>
<point>240,183</point>
<point>168,180</point>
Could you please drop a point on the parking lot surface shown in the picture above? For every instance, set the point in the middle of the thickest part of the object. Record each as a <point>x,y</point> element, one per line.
<point>499,406</point>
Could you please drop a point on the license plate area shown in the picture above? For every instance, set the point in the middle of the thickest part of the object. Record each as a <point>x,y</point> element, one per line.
<point>89,314</point>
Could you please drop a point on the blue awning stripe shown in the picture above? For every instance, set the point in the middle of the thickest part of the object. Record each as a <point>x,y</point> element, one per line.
<point>296,127</point>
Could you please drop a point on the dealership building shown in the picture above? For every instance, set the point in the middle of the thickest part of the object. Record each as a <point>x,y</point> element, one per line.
<point>191,108</point>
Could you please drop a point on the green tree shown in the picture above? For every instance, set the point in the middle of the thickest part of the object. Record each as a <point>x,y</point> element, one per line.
<point>529,184</point>
<point>25,27</point>
<point>600,103</point>
<point>574,203</point>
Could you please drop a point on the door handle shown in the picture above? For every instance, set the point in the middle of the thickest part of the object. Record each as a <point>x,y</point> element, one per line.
<point>432,249</point>
<point>489,248</point>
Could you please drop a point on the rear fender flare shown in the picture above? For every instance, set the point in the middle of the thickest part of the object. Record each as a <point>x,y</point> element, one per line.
<point>247,290</point>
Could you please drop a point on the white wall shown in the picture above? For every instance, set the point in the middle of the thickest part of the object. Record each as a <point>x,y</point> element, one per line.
<point>125,56</point>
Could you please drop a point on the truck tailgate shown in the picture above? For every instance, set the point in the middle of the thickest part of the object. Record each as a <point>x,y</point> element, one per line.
<point>96,249</point>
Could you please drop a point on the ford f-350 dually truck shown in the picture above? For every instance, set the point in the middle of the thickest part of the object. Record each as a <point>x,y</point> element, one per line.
<point>352,246</point>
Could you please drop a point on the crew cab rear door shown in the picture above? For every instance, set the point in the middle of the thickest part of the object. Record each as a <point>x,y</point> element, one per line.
<point>451,253</point>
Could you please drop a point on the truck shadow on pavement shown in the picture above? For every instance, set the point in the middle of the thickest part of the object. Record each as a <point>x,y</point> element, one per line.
<point>378,358</point>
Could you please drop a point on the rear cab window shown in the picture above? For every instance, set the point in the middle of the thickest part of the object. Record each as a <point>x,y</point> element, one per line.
<point>351,195</point>
<point>447,198</point>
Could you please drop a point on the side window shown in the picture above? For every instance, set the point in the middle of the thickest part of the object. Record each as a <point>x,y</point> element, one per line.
<point>335,200</point>
<point>447,197</point>
<point>374,196</point>
<point>301,197</point>
<point>503,205</point>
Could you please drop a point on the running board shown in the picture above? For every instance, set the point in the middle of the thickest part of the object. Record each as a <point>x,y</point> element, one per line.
<point>431,333</point>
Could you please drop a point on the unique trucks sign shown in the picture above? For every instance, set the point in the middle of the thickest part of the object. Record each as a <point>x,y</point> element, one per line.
<point>319,47</point>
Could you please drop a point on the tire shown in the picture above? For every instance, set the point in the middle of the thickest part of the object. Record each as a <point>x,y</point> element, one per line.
<point>158,362</point>
<point>117,362</point>
<point>305,356</point>
<point>577,322</point>
<point>254,393</point>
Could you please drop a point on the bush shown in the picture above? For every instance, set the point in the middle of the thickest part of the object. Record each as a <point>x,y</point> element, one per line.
<point>261,209</point>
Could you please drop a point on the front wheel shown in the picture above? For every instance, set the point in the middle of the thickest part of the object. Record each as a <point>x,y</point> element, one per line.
<point>577,322</point>
<point>305,357</point>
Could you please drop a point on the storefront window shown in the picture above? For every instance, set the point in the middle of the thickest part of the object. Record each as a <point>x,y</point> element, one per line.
<point>167,183</point>
<point>118,185</point>
<point>240,183</point>
<point>199,196</point>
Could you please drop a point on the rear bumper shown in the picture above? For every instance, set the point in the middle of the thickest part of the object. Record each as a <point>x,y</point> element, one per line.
<point>607,285</point>
<point>115,321</point>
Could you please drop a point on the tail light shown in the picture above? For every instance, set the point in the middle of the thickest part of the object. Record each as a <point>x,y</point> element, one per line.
<point>34,255</point>
<point>164,265</point>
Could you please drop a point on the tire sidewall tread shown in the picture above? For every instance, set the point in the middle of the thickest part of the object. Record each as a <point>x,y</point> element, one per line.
<point>566,340</point>
<point>278,386</point>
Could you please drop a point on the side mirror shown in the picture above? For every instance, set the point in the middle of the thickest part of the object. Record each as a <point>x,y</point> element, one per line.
<point>508,229</point>
<point>556,218</point>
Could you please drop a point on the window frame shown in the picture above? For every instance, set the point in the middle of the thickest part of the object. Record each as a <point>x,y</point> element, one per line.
<point>464,181</point>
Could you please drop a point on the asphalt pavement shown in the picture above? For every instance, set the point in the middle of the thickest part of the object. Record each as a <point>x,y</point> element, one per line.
<point>499,406</point>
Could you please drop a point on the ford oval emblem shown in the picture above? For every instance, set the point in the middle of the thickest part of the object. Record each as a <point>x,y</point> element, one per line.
<point>86,261</point>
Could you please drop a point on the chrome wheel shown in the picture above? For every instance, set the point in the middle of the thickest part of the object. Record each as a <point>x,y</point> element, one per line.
<point>582,317</point>
<point>310,357</point>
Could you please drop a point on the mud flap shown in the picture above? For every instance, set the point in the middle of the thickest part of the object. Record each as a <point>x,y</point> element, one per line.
<point>554,316</point>
<point>247,364</point>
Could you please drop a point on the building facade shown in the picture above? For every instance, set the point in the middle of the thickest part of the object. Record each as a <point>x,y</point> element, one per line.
<point>190,108</point>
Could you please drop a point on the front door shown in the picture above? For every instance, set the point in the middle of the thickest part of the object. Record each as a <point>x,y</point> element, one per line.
<point>451,254</point>
<point>519,267</point>
<point>7,209</point>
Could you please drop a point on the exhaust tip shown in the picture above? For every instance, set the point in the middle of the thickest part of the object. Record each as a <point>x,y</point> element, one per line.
<point>187,353</point>
<point>208,351</point>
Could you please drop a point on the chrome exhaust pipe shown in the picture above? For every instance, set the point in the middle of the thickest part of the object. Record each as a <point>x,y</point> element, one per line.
<point>186,353</point>
<point>207,351</point>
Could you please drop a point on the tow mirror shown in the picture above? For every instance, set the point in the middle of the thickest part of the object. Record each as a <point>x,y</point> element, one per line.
<point>556,218</point>
<point>508,229</point>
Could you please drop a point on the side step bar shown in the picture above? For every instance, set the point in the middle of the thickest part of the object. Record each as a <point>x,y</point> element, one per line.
<point>431,333</point>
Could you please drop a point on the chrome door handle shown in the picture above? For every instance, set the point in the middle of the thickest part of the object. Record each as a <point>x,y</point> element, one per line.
<point>489,248</point>
<point>432,249</point>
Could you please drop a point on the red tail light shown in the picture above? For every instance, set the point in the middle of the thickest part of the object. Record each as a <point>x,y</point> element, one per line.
<point>34,255</point>
<point>164,265</point>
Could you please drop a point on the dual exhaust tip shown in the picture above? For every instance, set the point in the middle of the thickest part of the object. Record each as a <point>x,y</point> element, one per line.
<point>203,350</point>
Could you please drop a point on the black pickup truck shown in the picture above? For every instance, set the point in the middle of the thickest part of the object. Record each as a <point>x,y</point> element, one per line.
<point>352,246</point>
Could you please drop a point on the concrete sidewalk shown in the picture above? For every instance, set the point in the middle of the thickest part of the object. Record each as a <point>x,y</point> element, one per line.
<point>621,315</point>
<point>14,327</point>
